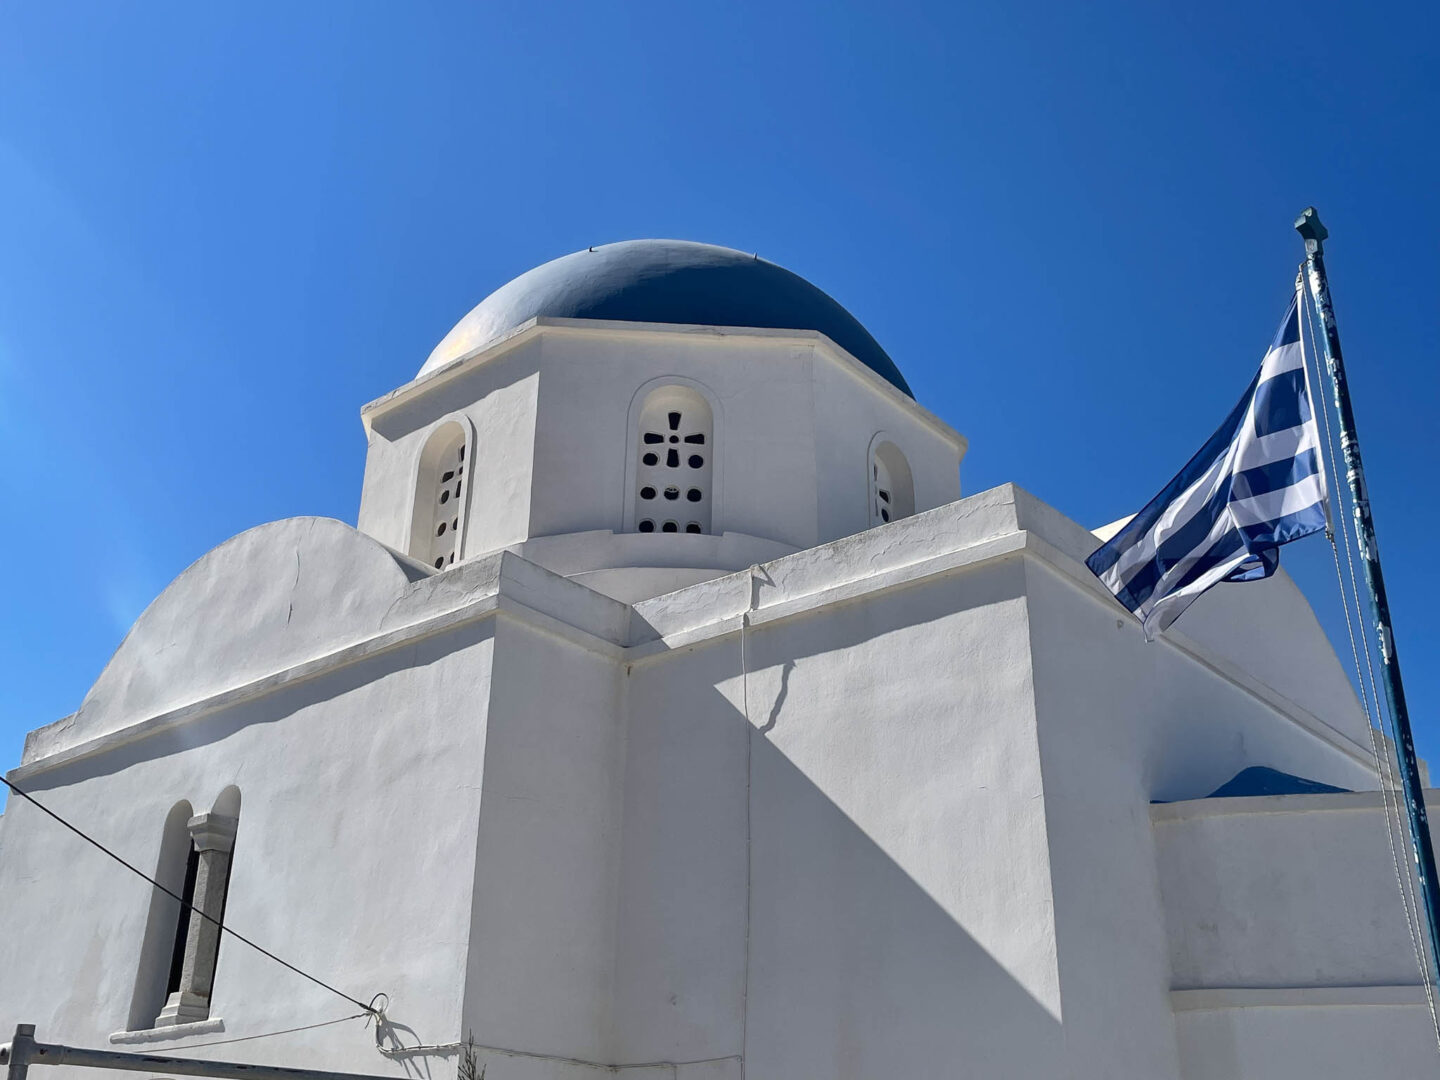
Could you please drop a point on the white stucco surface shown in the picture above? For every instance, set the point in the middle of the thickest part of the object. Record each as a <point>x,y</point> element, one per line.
<point>1285,891</point>
<point>554,406</point>
<point>794,798</point>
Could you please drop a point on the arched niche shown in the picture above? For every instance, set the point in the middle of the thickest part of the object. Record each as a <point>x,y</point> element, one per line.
<point>164,925</point>
<point>672,458</point>
<point>892,487</point>
<point>437,521</point>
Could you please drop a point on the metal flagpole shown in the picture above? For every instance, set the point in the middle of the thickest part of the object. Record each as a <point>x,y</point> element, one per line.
<point>1314,234</point>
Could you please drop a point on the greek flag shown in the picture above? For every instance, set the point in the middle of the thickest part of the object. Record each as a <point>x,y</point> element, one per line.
<point>1258,483</point>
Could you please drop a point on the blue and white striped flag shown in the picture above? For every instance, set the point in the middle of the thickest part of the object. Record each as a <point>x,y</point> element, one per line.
<point>1258,483</point>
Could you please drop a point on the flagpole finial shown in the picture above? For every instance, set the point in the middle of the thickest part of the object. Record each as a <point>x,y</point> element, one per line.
<point>1311,231</point>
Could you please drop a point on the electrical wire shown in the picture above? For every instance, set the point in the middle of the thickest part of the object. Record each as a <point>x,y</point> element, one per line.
<point>268,1034</point>
<point>750,606</point>
<point>369,1009</point>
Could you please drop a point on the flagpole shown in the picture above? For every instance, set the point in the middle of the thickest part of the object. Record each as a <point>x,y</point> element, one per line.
<point>1314,234</point>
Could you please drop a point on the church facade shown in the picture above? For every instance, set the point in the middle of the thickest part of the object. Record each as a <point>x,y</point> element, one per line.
<point>671,713</point>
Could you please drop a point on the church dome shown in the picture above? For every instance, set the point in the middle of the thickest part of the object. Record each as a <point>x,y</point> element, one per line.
<point>665,281</point>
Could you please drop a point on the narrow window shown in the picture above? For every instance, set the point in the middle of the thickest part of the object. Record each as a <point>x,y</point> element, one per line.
<point>439,516</point>
<point>892,489</point>
<point>196,949</point>
<point>674,462</point>
<point>167,922</point>
<point>182,924</point>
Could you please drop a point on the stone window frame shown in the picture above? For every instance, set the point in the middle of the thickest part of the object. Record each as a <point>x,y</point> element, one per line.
<point>176,941</point>
<point>212,838</point>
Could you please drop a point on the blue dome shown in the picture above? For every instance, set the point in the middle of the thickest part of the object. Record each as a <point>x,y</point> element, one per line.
<point>665,281</point>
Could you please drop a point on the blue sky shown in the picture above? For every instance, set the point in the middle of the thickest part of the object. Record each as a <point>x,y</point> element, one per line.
<point>228,226</point>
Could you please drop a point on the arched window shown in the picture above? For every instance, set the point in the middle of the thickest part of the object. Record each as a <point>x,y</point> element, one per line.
<point>175,982</point>
<point>438,520</point>
<point>892,489</point>
<point>167,921</point>
<point>674,462</point>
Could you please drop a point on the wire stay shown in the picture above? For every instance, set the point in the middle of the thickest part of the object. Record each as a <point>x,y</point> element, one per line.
<point>370,1010</point>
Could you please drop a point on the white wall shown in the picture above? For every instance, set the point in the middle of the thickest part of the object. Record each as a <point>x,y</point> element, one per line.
<point>274,596</point>
<point>900,894</point>
<point>541,955</point>
<point>501,402</point>
<point>914,841</point>
<point>680,939</point>
<point>1309,1036</point>
<point>354,859</point>
<point>794,419</point>
<point>847,422</point>
<point>1292,890</point>
<point>1124,722</point>
<point>1288,942</point>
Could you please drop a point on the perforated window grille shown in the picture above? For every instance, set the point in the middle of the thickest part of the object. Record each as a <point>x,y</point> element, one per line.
<point>892,490</point>
<point>674,462</point>
<point>438,520</point>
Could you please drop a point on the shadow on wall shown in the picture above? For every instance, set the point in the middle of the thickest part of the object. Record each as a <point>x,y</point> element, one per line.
<point>857,970</point>
<point>856,973</point>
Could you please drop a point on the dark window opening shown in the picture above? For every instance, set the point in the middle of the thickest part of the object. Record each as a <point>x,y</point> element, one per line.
<point>651,459</point>
<point>672,493</point>
<point>647,493</point>
<point>647,525</point>
<point>693,527</point>
<point>696,461</point>
<point>182,925</point>
<point>694,495</point>
<point>674,419</point>
<point>698,440</point>
<point>672,458</point>
<point>669,526</point>
<point>652,437</point>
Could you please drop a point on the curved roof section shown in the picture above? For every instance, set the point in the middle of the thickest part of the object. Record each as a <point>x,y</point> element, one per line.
<point>665,281</point>
<point>273,596</point>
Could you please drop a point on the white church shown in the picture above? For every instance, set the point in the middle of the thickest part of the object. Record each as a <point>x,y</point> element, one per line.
<point>670,714</point>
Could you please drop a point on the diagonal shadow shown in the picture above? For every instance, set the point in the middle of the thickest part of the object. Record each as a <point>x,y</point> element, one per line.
<point>764,906</point>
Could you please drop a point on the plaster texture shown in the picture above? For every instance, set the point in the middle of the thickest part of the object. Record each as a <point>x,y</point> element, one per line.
<point>795,798</point>
<point>912,828</point>
<point>1288,949</point>
<point>554,407</point>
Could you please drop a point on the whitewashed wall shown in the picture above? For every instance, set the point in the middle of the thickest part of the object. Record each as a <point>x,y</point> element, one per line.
<point>910,835</point>
<point>1288,946</point>
<point>551,407</point>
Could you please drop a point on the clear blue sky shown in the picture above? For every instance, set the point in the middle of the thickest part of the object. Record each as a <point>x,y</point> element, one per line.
<point>228,226</point>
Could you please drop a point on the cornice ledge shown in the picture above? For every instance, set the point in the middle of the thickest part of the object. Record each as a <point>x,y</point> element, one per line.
<point>1216,999</point>
<point>516,591</point>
